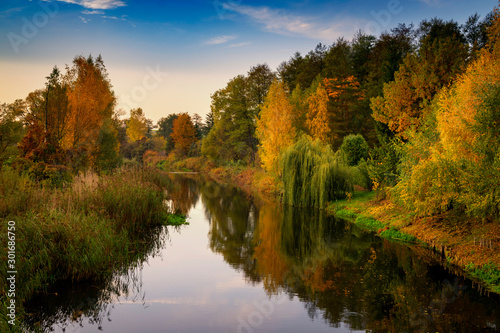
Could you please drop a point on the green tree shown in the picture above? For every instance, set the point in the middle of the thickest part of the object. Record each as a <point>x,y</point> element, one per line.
<point>233,135</point>
<point>11,128</point>
<point>312,176</point>
<point>108,152</point>
<point>355,148</point>
<point>259,78</point>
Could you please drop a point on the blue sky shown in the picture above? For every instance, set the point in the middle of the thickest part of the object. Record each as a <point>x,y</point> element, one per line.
<point>169,56</point>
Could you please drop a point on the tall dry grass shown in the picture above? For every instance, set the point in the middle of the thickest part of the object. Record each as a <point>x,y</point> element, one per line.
<point>82,231</point>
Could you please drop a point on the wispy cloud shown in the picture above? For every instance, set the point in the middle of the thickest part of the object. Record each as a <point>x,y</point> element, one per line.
<point>114,18</point>
<point>220,40</point>
<point>92,12</point>
<point>121,18</point>
<point>84,20</point>
<point>282,22</point>
<point>97,4</point>
<point>239,44</point>
<point>8,12</point>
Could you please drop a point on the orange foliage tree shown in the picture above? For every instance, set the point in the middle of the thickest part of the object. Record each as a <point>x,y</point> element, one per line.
<point>183,133</point>
<point>407,99</point>
<point>91,100</point>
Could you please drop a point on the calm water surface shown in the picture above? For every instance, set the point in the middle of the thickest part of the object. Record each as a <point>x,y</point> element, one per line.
<point>245,267</point>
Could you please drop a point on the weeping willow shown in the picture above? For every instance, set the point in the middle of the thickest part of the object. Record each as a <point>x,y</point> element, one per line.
<point>312,176</point>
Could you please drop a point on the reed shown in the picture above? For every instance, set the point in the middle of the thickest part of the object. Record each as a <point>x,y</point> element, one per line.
<point>83,231</point>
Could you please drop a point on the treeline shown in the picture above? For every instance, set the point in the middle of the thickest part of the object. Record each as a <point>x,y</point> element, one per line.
<point>73,124</point>
<point>412,113</point>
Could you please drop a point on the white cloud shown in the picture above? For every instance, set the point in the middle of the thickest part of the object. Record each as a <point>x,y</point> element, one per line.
<point>112,18</point>
<point>97,4</point>
<point>93,12</point>
<point>220,40</point>
<point>84,20</point>
<point>239,44</point>
<point>281,22</point>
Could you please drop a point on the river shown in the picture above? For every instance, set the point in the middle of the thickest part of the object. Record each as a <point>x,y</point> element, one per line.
<point>242,266</point>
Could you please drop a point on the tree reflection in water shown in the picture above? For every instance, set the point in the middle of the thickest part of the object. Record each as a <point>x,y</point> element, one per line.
<point>341,272</point>
<point>66,304</point>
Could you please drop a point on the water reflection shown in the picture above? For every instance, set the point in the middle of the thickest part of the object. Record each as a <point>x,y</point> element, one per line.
<point>66,304</point>
<point>341,274</point>
<point>232,218</point>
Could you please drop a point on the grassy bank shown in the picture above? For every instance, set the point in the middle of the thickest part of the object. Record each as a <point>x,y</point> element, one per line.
<point>464,243</point>
<point>81,232</point>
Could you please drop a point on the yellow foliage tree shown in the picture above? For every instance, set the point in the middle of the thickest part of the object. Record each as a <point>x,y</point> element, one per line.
<point>274,128</point>
<point>137,125</point>
<point>454,162</point>
<point>317,117</point>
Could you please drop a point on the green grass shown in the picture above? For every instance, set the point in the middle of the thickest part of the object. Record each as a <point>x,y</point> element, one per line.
<point>369,222</point>
<point>489,274</point>
<point>394,234</point>
<point>345,214</point>
<point>176,219</point>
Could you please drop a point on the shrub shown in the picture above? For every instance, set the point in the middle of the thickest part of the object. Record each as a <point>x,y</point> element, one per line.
<point>355,148</point>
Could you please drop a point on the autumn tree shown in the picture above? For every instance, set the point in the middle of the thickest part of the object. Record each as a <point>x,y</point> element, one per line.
<point>137,126</point>
<point>442,55</point>
<point>274,128</point>
<point>345,95</point>
<point>183,133</point>
<point>317,117</point>
<point>453,161</point>
<point>91,101</point>
<point>165,126</point>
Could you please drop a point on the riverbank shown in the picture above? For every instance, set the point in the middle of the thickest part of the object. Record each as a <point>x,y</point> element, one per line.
<point>252,180</point>
<point>83,231</point>
<point>463,243</point>
<point>466,244</point>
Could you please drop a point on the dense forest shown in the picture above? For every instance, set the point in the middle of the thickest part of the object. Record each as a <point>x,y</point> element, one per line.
<point>412,112</point>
